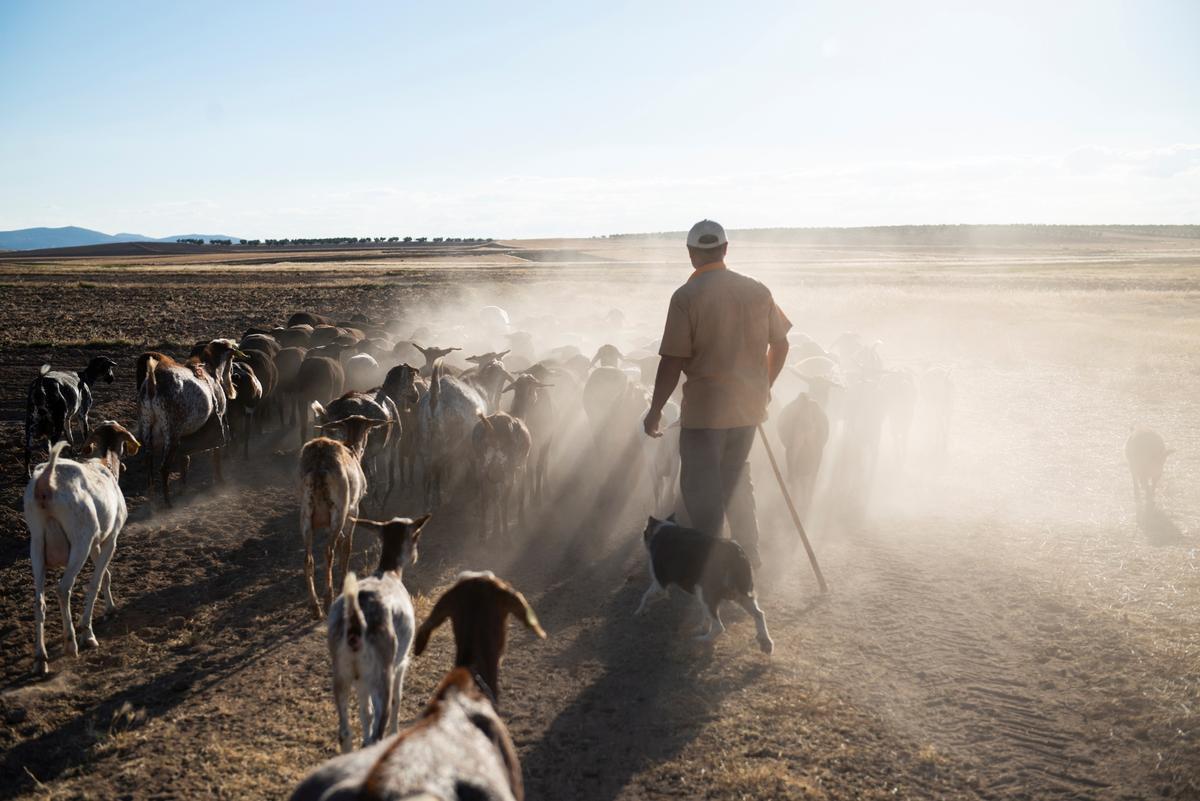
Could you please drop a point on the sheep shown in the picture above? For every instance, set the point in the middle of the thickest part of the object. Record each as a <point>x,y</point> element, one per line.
<point>804,429</point>
<point>240,410</point>
<point>446,416</point>
<point>308,318</point>
<point>501,446</point>
<point>75,510</point>
<point>370,632</point>
<point>534,407</point>
<point>332,485</point>
<point>607,356</point>
<point>1146,454</point>
<point>432,354</point>
<point>57,398</point>
<point>362,372</point>
<point>319,379</point>
<point>459,748</point>
<point>405,387</point>
<point>178,401</point>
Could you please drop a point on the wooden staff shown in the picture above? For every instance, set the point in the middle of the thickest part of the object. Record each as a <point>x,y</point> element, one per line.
<point>812,557</point>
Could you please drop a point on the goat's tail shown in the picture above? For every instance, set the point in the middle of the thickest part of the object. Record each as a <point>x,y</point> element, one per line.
<point>146,364</point>
<point>352,613</point>
<point>44,369</point>
<point>741,574</point>
<point>435,386</point>
<point>43,490</point>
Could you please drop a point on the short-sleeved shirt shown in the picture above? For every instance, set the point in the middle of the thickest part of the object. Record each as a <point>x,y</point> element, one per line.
<point>721,322</point>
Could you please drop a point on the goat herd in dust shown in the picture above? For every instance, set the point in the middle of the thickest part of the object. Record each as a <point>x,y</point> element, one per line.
<point>384,424</point>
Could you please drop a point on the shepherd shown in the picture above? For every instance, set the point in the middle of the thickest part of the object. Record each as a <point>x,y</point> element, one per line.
<point>727,335</point>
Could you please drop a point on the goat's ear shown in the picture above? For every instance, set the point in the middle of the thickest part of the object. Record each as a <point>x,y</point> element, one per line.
<point>437,616</point>
<point>519,608</point>
<point>318,411</point>
<point>509,388</point>
<point>418,524</point>
<point>652,521</point>
<point>132,446</point>
<point>671,517</point>
<point>88,448</point>
<point>362,521</point>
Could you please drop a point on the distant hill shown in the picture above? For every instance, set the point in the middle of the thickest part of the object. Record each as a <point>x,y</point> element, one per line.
<point>73,236</point>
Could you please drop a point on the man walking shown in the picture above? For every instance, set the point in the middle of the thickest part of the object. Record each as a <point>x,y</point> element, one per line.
<point>726,334</point>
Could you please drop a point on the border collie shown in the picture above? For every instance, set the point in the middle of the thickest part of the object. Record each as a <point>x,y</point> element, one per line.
<point>713,569</point>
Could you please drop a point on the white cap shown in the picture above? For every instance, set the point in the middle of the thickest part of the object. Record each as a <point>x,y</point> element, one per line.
<point>706,235</point>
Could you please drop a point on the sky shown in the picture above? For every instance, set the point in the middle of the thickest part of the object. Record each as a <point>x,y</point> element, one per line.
<point>578,119</point>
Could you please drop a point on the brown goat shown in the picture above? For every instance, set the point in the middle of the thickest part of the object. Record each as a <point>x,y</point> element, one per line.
<point>459,743</point>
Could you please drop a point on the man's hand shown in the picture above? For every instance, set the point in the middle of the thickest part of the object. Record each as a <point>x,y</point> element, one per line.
<point>651,423</point>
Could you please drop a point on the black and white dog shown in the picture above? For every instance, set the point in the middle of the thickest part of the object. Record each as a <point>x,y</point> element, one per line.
<point>57,397</point>
<point>713,569</point>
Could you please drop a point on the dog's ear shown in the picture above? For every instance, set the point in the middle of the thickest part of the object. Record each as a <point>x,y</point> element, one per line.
<point>652,522</point>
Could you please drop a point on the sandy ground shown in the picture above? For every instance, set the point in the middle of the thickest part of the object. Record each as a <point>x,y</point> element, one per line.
<point>997,625</point>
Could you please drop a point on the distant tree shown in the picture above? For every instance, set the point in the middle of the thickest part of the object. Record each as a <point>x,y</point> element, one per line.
<point>408,239</point>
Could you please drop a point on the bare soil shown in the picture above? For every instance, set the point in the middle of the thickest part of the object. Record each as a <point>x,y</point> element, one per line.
<point>993,636</point>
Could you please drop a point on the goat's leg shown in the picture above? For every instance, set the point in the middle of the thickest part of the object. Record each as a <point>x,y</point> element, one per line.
<point>750,604</point>
<point>397,694</point>
<point>330,552</point>
<point>384,702</point>
<point>106,590</point>
<point>165,471</point>
<point>101,556</point>
<point>347,542</point>
<point>365,712</point>
<point>217,475</point>
<point>37,549</point>
<point>78,556</point>
<point>341,699</point>
<point>310,568</point>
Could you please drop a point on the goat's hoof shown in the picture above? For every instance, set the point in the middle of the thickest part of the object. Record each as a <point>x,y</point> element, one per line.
<point>41,666</point>
<point>90,642</point>
<point>767,646</point>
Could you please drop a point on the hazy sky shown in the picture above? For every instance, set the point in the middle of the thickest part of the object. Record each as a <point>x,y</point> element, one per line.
<point>570,118</point>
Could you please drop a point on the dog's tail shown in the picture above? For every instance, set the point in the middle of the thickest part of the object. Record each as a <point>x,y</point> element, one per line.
<point>352,613</point>
<point>741,574</point>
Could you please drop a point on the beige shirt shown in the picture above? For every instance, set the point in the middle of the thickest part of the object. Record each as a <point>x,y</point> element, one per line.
<point>721,322</point>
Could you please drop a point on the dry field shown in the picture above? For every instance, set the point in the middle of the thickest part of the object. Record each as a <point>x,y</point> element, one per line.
<point>997,627</point>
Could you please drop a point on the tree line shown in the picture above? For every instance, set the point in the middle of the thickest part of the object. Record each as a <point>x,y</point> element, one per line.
<point>340,240</point>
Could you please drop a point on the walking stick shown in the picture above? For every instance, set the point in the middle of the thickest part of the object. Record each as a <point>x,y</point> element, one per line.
<point>787,496</point>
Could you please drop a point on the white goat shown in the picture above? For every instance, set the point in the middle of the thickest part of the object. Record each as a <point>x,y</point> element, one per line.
<point>75,510</point>
<point>804,429</point>
<point>446,416</point>
<point>370,633</point>
<point>1146,453</point>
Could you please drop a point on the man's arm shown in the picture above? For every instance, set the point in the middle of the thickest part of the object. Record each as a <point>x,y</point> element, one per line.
<point>777,352</point>
<point>665,381</point>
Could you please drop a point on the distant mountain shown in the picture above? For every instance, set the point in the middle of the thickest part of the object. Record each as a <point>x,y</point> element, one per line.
<point>73,236</point>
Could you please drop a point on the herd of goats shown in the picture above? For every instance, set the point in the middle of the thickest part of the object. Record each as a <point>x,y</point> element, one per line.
<point>494,423</point>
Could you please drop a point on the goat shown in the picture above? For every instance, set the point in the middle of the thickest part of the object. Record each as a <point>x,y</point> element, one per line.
<point>489,378</point>
<point>804,429</point>
<point>332,485</point>
<point>459,748</point>
<point>662,457</point>
<point>267,374</point>
<point>533,406</point>
<point>381,446</point>
<point>184,400</point>
<point>446,416</point>
<point>309,319</point>
<point>937,392</point>
<point>432,354</point>
<point>75,510</point>
<point>57,398</point>
<point>264,343</point>
<point>607,356</point>
<point>370,633</point>
<point>898,395</point>
<point>404,385</point>
<point>1146,454</point>
<point>362,372</point>
<point>319,379</point>
<point>501,445</point>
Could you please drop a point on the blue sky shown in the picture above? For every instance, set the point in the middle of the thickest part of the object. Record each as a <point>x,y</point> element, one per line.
<point>552,119</point>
